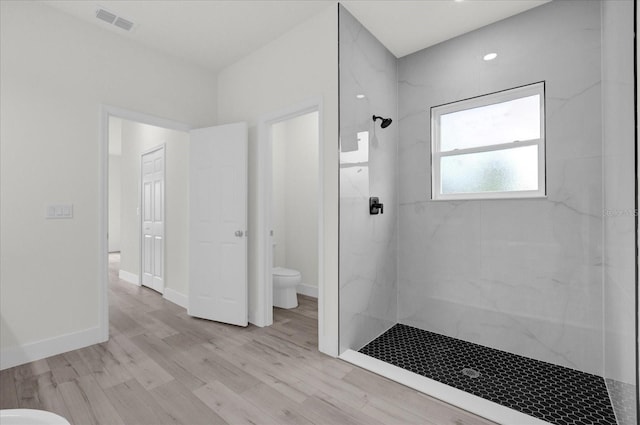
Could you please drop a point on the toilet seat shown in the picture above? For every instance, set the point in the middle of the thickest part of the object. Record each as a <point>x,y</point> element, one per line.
<point>284,272</point>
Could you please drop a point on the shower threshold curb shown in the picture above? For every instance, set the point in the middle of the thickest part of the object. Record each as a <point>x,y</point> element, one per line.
<point>469,402</point>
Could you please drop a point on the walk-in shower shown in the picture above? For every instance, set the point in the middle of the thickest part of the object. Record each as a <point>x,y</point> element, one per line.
<point>522,310</point>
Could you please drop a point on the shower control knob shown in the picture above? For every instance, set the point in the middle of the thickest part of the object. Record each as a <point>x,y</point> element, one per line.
<point>375,207</point>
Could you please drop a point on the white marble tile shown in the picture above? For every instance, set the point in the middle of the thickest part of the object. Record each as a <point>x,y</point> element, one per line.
<point>540,339</point>
<point>368,243</point>
<point>523,265</point>
<point>520,275</point>
<point>475,271</point>
<point>619,206</point>
<point>525,276</point>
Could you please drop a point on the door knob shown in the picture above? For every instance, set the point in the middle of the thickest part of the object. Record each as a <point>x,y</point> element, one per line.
<point>239,233</point>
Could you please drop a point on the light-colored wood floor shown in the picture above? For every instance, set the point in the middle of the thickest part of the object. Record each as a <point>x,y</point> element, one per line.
<point>161,366</point>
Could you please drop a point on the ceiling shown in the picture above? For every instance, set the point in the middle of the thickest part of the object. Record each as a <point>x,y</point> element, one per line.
<point>217,33</point>
<point>406,26</point>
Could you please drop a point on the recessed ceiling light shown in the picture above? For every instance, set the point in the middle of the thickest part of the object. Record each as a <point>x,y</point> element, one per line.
<point>490,56</point>
<point>360,96</point>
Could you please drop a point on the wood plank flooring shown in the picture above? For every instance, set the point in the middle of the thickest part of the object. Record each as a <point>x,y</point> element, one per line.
<point>161,366</point>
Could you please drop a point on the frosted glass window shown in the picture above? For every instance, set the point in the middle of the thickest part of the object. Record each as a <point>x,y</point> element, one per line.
<point>495,171</point>
<point>490,146</point>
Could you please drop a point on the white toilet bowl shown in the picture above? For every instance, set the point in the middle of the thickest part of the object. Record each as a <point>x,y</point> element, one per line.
<point>30,417</point>
<point>285,282</point>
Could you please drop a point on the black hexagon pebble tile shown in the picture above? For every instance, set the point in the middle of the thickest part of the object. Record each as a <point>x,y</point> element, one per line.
<point>555,394</point>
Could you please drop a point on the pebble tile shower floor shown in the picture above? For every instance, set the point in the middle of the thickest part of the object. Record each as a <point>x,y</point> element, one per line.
<point>549,392</point>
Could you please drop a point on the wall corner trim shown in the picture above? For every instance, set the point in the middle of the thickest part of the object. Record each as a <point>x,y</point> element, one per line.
<point>15,356</point>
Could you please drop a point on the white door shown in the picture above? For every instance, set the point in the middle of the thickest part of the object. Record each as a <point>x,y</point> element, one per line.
<point>152,214</point>
<point>218,223</point>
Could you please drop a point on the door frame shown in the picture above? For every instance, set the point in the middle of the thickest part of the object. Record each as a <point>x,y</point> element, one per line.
<point>163,148</point>
<point>263,316</point>
<point>105,112</point>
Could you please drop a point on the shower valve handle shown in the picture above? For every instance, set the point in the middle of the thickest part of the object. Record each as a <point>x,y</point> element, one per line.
<point>375,206</point>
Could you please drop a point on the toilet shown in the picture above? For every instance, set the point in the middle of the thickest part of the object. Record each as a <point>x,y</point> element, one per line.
<point>285,282</point>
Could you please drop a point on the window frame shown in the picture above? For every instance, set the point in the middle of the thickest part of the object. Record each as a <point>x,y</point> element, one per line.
<point>485,100</point>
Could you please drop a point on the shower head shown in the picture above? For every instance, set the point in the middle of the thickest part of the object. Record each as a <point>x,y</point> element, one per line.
<point>386,122</point>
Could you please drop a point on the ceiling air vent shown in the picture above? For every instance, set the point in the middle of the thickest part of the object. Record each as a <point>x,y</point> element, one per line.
<point>123,23</point>
<point>113,19</point>
<point>105,16</point>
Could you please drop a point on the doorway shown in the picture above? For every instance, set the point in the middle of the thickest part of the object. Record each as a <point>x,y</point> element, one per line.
<point>158,256</point>
<point>290,210</point>
<point>143,154</point>
<point>126,137</point>
<point>294,200</point>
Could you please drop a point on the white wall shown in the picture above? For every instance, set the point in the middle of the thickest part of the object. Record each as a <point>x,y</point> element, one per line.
<point>279,192</point>
<point>55,72</point>
<point>368,167</point>
<point>115,153</point>
<point>300,65</point>
<point>115,196</point>
<point>295,195</point>
<point>136,139</point>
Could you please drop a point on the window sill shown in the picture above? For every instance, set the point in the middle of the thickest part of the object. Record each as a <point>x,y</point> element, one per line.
<point>489,198</point>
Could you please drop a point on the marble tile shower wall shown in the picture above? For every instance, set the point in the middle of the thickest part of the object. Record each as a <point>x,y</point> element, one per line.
<point>619,207</point>
<point>524,276</point>
<point>368,167</point>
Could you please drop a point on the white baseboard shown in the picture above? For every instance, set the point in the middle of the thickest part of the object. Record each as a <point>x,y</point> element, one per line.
<point>176,297</point>
<point>308,290</point>
<point>129,277</point>
<point>469,402</point>
<point>15,356</point>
